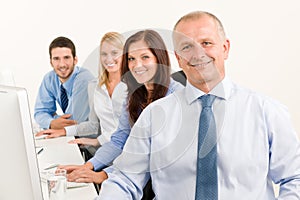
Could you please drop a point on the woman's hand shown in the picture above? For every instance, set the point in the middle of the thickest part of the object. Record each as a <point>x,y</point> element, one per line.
<point>86,141</point>
<point>52,133</point>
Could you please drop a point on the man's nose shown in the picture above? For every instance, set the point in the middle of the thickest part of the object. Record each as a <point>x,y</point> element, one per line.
<point>61,62</point>
<point>199,51</point>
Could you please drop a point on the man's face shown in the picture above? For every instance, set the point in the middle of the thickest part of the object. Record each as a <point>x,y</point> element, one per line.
<point>63,62</point>
<point>201,51</point>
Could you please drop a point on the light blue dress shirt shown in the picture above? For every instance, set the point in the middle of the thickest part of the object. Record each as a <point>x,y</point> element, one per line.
<point>256,145</point>
<point>110,150</point>
<point>49,94</point>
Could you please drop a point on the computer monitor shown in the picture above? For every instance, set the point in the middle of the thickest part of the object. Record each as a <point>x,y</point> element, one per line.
<point>19,168</point>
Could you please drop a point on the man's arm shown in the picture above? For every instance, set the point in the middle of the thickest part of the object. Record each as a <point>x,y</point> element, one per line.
<point>92,126</point>
<point>284,151</point>
<point>45,105</point>
<point>119,186</point>
<point>79,102</point>
<point>62,121</point>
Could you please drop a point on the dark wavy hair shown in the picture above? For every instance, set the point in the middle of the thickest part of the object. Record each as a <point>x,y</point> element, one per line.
<point>138,96</point>
<point>62,42</point>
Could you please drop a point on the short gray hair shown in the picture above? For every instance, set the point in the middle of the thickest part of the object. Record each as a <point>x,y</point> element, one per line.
<point>198,14</point>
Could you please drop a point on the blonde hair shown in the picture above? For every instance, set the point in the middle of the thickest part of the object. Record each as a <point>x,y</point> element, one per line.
<point>198,14</point>
<point>115,39</point>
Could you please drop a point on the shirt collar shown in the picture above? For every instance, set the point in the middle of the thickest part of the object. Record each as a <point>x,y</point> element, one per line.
<point>222,90</point>
<point>68,85</point>
<point>172,86</point>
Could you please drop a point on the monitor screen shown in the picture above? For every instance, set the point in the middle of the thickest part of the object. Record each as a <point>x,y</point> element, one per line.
<point>19,168</point>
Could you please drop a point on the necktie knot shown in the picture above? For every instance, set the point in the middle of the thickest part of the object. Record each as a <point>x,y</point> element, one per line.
<point>207,100</point>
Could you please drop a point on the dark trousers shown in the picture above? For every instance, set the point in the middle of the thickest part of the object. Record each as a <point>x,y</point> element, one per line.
<point>148,193</point>
<point>87,151</point>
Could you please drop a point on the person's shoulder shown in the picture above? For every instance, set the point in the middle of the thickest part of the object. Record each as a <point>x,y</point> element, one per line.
<point>174,86</point>
<point>93,83</point>
<point>122,86</point>
<point>179,76</point>
<point>83,70</point>
<point>83,74</point>
<point>50,76</point>
<point>241,91</point>
<point>169,99</point>
<point>258,97</point>
<point>168,104</point>
<point>80,71</point>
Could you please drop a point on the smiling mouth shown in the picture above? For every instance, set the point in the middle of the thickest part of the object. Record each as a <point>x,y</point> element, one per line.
<point>140,72</point>
<point>110,65</point>
<point>200,65</point>
<point>63,70</point>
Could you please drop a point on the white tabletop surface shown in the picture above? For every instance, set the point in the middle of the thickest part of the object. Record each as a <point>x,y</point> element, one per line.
<point>58,151</point>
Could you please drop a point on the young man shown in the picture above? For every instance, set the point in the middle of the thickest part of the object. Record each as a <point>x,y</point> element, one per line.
<point>213,139</point>
<point>66,85</point>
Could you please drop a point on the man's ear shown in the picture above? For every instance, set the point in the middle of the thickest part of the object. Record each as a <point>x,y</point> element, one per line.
<point>75,60</point>
<point>226,46</point>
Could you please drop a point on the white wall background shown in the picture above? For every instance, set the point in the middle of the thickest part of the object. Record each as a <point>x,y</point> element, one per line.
<point>265,37</point>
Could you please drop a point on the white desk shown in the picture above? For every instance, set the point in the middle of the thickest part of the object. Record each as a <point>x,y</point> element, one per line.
<point>58,151</point>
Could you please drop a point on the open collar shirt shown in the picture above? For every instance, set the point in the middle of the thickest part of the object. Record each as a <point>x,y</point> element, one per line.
<point>256,146</point>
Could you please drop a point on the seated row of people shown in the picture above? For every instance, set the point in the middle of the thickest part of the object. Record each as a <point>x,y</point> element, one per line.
<point>209,140</point>
<point>115,105</point>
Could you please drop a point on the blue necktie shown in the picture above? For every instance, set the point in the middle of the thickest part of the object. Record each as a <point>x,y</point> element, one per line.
<point>207,177</point>
<point>64,98</point>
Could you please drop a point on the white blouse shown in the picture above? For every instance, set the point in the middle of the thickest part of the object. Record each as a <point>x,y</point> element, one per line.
<point>104,112</point>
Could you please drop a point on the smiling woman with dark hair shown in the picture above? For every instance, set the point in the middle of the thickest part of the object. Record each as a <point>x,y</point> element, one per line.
<point>149,47</point>
<point>146,71</point>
